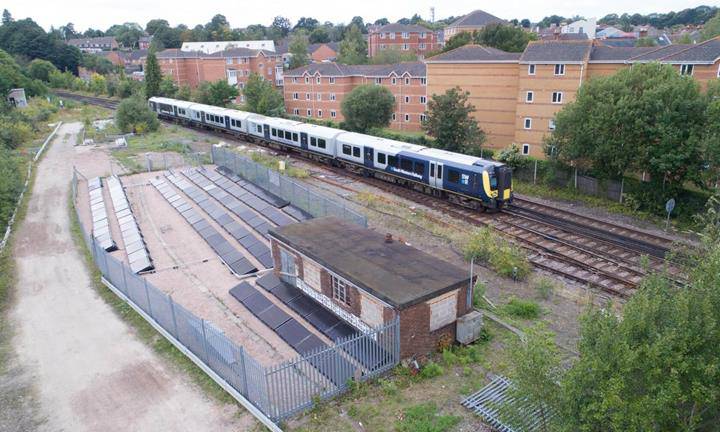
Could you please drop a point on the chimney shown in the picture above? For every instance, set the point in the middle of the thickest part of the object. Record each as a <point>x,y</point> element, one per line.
<point>388,238</point>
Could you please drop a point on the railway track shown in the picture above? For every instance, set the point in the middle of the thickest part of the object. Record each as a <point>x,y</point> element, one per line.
<point>588,250</point>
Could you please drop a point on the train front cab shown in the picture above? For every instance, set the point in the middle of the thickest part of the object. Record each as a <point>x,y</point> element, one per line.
<point>497,186</point>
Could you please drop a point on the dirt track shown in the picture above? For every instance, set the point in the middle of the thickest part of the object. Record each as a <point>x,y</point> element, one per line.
<point>87,369</point>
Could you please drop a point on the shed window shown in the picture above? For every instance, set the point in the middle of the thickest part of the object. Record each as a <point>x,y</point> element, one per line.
<point>381,158</point>
<point>406,165</point>
<point>346,149</point>
<point>356,152</point>
<point>340,290</point>
<point>419,168</point>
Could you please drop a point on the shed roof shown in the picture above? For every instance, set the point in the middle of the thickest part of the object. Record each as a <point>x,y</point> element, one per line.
<point>556,51</point>
<point>393,272</point>
<point>475,53</point>
<point>477,18</point>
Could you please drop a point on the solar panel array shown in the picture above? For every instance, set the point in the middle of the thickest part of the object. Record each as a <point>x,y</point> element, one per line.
<point>230,255</point>
<point>98,212</point>
<point>199,194</point>
<point>135,248</point>
<point>367,353</point>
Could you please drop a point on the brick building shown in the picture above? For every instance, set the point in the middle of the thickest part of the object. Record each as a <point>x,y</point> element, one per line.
<point>234,65</point>
<point>317,90</point>
<point>402,37</point>
<point>474,21</point>
<point>368,280</point>
<point>518,95</point>
<point>97,44</point>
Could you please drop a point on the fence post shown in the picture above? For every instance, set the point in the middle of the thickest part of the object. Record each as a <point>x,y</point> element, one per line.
<point>125,286</point>
<point>172,312</point>
<point>147,296</point>
<point>622,188</point>
<point>205,345</point>
<point>244,391</point>
<point>576,178</point>
<point>535,173</point>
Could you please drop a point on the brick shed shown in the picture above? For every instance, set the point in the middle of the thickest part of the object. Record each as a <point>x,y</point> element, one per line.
<point>367,279</point>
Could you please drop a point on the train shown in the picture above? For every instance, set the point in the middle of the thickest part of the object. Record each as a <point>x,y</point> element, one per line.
<point>472,182</point>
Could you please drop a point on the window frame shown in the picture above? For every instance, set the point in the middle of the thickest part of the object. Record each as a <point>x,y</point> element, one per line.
<point>557,97</point>
<point>529,96</point>
<point>559,69</point>
<point>531,69</point>
<point>340,290</point>
<point>685,67</point>
<point>527,123</point>
<point>525,151</point>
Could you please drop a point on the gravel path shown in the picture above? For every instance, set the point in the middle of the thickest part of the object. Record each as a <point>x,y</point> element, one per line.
<point>88,371</point>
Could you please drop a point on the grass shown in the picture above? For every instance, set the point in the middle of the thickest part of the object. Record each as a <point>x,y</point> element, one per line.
<point>142,329</point>
<point>503,257</point>
<point>545,287</point>
<point>425,418</point>
<point>273,162</point>
<point>75,111</point>
<point>525,309</point>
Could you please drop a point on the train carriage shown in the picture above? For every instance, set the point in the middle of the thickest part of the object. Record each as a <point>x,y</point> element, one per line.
<point>318,139</point>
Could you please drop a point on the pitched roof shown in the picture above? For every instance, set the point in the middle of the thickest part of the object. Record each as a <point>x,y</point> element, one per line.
<point>705,52</point>
<point>475,53</point>
<point>556,51</point>
<point>104,40</point>
<point>232,52</point>
<point>178,53</point>
<point>335,46</point>
<point>477,18</point>
<point>415,69</point>
<point>659,53</point>
<point>617,54</point>
<point>397,27</point>
<point>564,36</point>
<point>134,54</point>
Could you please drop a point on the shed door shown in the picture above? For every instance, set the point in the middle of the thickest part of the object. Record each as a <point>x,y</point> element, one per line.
<point>288,272</point>
<point>369,157</point>
<point>435,175</point>
<point>303,141</point>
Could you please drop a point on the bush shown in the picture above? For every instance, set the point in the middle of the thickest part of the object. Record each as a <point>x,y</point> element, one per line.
<point>133,115</point>
<point>478,293</point>
<point>504,257</point>
<point>388,387</point>
<point>431,370</point>
<point>10,186</point>
<point>525,309</point>
<point>425,418</point>
<point>13,133</point>
<point>545,287</point>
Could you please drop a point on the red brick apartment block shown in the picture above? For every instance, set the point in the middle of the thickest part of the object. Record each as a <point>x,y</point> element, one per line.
<point>317,90</point>
<point>412,38</point>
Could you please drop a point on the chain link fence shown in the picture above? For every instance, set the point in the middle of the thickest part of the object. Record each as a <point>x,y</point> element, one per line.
<point>272,181</point>
<point>270,393</point>
<point>560,177</point>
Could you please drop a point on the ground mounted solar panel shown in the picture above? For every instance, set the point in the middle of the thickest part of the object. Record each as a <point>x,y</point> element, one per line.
<point>98,213</point>
<point>138,256</point>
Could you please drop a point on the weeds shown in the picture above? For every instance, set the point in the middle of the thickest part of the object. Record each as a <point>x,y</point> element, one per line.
<point>425,418</point>
<point>525,309</point>
<point>545,287</point>
<point>431,370</point>
<point>502,256</point>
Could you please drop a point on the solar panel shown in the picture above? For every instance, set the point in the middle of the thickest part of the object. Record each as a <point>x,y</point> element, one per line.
<point>274,317</point>
<point>292,332</point>
<point>268,281</point>
<point>242,291</point>
<point>135,247</point>
<point>231,256</point>
<point>303,305</point>
<point>266,260</point>
<point>257,303</point>
<point>311,343</point>
<point>242,266</point>
<point>322,319</point>
<point>286,293</point>
<point>340,330</point>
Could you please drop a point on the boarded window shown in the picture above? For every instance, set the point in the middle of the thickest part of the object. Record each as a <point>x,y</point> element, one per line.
<point>311,274</point>
<point>443,310</point>
<point>371,312</point>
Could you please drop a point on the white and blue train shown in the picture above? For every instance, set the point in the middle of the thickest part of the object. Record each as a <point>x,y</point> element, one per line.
<point>466,180</point>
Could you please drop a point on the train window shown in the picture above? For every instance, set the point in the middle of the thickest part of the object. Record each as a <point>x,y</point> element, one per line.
<point>406,165</point>
<point>259,129</point>
<point>381,158</point>
<point>453,176</point>
<point>392,161</point>
<point>321,143</point>
<point>313,142</point>
<point>288,136</point>
<point>273,131</point>
<point>419,168</point>
<point>356,152</point>
<point>439,174</point>
<point>493,182</point>
<point>294,136</point>
<point>181,111</point>
<point>432,170</point>
<point>346,149</point>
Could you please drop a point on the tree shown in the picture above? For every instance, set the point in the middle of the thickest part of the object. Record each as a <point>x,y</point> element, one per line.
<point>306,23</point>
<point>168,88</point>
<point>218,93</point>
<point>298,47</point>
<point>391,56</point>
<point>97,84</point>
<point>450,121</point>
<point>353,48</point>
<point>319,35</point>
<point>684,39</point>
<point>368,106</point>
<point>645,118</point>
<point>126,34</point>
<point>381,22</point>
<point>261,97</point>
<point>134,115</point>
<point>154,25</point>
<point>504,37</point>
<point>282,25</point>
<point>552,19</point>
<point>711,28</point>
<point>535,372</point>
<point>153,76</point>
<point>6,17</point>
<point>68,31</point>
<point>458,40</point>
<point>41,69</point>
<point>525,23</point>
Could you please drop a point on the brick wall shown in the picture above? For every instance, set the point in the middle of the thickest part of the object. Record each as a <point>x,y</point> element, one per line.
<point>414,43</point>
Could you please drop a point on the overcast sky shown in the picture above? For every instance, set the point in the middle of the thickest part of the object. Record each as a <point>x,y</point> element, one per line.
<point>101,14</point>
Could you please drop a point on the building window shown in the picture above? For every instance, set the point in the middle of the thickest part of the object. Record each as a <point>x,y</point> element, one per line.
<point>526,149</point>
<point>531,69</point>
<point>378,81</point>
<point>422,35</point>
<point>686,69</point>
<point>557,97</point>
<point>405,47</point>
<point>332,96</point>
<point>319,113</point>
<point>340,290</point>
<point>296,96</point>
<point>528,123</point>
<point>229,60</point>
<point>309,112</point>
<point>423,117</point>
<point>318,80</point>
<point>319,96</point>
<point>382,35</point>
<point>405,35</point>
<point>407,99</point>
<point>296,111</point>
<point>407,81</point>
<point>307,80</point>
<point>529,96</point>
<point>423,81</point>
<point>307,96</point>
<point>333,114</point>
<point>394,117</point>
<point>551,125</point>
<point>294,80</point>
<point>407,118</point>
<point>559,69</point>
<point>331,80</point>
<point>392,35</point>
<point>423,99</point>
<point>393,80</point>
<point>422,45</point>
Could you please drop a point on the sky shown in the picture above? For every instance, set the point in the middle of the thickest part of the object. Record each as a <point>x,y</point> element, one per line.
<point>101,14</point>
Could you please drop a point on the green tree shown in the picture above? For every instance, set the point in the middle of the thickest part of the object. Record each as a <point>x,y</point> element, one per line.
<point>392,56</point>
<point>153,76</point>
<point>282,25</point>
<point>711,28</point>
<point>184,93</point>
<point>6,17</point>
<point>458,40</point>
<point>134,115</point>
<point>450,121</point>
<point>684,39</point>
<point>154,25</point>
<point>319,35</point>
<point>504,37</point>
<point>298,47</point>
<point>40,69</point>
<point>218,93</point>
<point>168,88</point>
<point>368,106</point>
<point>261,97</point>
<point>645,118</point>
<point>97,84</point>
<point>353,48</point>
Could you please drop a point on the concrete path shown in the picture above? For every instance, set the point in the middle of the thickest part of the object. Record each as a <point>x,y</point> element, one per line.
<point>88,370</point>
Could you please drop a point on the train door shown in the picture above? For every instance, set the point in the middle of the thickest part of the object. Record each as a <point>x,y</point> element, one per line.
<point>435,177</point>
<point>266,131</point>
<point>174,110</point>
<point>202,117</point>
<point>227,122</point>
<point>369,157</point>
<point>303,141</point>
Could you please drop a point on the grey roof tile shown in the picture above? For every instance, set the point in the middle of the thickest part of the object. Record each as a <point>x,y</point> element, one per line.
<point>705,52</point>
<point>658,53</point>
<point>415,69</point>
<point>475,53</point>
<point>612,53</point>
<point>556,51</point>
<point>397,27</point>
<point>477,18</point>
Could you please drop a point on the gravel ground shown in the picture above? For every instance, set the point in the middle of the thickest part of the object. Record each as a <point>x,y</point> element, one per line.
<point>88,371</point>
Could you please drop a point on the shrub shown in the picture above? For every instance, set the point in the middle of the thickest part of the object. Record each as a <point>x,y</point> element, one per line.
<point>431,370</point>
<point>425,418</point>
<point>133,115</point>
<point>388,387</point>
<point>522,308</point>
<point>545,287</point>
<point>504,257</point>
<point>478,293</point>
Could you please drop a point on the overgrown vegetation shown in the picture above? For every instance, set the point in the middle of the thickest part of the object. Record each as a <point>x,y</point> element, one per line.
<point>133,115</point>
<point>450,122</point>
<point>519,308</point>
<point>367,106</point>
<point>502,256</point>
<point>425,418</point>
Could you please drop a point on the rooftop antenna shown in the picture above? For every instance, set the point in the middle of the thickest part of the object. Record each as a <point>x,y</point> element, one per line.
<point>432,14</point>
